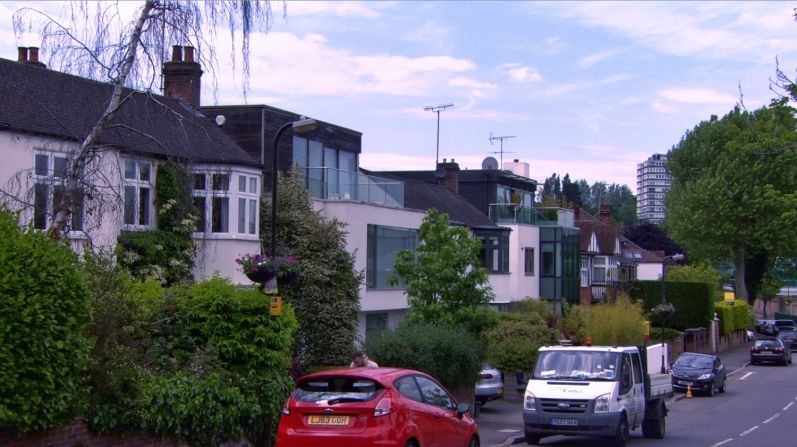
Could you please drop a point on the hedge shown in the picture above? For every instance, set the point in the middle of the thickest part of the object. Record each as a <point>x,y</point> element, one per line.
<point>693,301</point>
<point>733,317</point>
<point>44,310</point>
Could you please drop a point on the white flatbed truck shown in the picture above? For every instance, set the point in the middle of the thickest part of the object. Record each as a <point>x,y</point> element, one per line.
<point>602,391</point>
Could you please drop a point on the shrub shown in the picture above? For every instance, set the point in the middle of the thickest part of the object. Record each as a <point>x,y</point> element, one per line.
<point>618,323</point>
<point>701,272</point>
<point>449,353</point>
<point>44,310</point>
<point>513,343</point>
<point>733,317</point>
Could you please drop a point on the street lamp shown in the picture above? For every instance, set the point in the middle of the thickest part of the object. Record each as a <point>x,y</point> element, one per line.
<point>665,308</point>
<point>302,125</point>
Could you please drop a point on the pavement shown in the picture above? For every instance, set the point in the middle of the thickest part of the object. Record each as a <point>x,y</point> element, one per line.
<point>501,421</point>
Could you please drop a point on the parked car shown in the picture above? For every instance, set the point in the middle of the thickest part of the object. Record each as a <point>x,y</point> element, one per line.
<point>359,407</point>
<point>705,373</point>
<point>770,350</point>
<point>785,325</point>
<point>789,338</point>
<point>766,327</point>
<point>490,385</point>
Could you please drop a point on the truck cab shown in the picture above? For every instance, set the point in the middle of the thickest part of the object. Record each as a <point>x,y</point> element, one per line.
<point>599,391</point>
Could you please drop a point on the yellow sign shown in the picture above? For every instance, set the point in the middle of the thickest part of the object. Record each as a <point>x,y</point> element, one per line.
<point>275,308</point>
<point>646,329</point>
<point>730,296</point>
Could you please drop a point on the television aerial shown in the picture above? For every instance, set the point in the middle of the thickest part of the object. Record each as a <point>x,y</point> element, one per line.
<point>501,139</point>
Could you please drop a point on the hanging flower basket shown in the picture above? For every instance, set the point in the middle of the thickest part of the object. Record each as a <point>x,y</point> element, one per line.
<point>262,268</point>
<point>261,275</point>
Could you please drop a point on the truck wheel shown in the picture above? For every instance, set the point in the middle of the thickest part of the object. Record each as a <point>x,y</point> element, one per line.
<point>621,437</point>
<point>654,428</point>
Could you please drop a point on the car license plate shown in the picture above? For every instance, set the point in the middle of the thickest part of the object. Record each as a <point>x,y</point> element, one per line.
<point>326,419</point>
<point>683,382</point>
<point>566,422</point>
<point>766,352</point>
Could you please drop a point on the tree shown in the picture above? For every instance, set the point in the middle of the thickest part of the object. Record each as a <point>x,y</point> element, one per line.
<point>85,46</point>
<point>326,300</point>
<point>651,237</point>
<point>734,187</point>
<point>445,281</point>
<point>569,193</point>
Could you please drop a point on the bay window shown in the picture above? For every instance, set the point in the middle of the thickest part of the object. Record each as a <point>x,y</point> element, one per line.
<point>225,209</point>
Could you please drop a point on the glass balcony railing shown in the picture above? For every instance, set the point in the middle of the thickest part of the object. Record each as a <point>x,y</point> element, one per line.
<point>336,184</point>
<point>512,213</point>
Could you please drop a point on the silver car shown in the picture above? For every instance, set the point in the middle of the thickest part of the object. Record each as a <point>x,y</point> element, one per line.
<point>490,385</point>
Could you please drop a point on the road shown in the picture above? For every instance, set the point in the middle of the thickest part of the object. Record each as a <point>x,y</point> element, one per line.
<point>758,409</point>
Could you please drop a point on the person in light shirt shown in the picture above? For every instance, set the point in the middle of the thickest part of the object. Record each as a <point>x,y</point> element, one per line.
<point>360,360</point>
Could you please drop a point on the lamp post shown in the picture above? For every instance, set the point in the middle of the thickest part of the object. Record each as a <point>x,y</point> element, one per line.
<point>302,125</point>
<point>665,308</point>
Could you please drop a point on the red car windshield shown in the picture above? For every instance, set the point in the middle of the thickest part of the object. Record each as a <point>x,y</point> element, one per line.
<point>332,390</point>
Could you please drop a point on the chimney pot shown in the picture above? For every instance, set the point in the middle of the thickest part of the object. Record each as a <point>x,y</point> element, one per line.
<point>517,160</point>
<point>189,54</point>
<point>22,55</point>
<point>33,54</point>
<point>444,160</point>
<point>177,53</point>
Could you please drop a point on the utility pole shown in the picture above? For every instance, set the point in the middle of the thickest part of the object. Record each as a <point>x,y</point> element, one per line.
<point>501,139</point>
<point>437,109</point>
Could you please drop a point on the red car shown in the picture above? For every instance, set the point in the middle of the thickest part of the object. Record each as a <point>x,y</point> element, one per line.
<point>372,407</point>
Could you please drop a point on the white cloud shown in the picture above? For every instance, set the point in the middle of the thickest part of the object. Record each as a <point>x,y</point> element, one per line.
<point>697,96</point>
<point>740,30</point>
<point>595,58</point>
<point>520,73</point>
<point>662,107</point>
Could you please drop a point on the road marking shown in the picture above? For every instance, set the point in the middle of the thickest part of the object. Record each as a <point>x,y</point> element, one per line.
<point>722,442</point>
<point>788,406</point>
<point>747,432</point>
<point>772,418</point>
<point>509,430</point>
<point>746,375</point>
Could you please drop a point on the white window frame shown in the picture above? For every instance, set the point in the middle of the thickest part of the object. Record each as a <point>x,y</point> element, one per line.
<point>138,183</point>
<point>49,180</point>
<point>252,180</point>
<point>586,277</point>
<point>600,263</point>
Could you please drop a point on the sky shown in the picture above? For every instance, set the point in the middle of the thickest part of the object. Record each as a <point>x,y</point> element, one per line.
<point>588,89</point>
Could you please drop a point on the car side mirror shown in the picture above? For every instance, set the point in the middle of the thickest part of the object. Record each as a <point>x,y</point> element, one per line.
<point>462,408</point>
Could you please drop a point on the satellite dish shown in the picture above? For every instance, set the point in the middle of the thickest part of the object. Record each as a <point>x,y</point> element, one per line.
<point>490,163</point>
<point>439,173</point>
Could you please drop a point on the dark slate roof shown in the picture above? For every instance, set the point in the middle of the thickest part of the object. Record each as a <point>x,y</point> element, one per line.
<point>637,253</point>
<point>424,196</point>
<point>40,101</point>
<point>606,235</point>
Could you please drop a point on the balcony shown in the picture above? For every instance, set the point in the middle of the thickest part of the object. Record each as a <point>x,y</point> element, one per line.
<point>336,184</point>
<point>512,213</point>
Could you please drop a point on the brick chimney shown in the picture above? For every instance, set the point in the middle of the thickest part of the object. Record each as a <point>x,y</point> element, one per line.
<point>182,77</point>
<point>605,214</point>
<point>451,178</point>
<point>29,56</point>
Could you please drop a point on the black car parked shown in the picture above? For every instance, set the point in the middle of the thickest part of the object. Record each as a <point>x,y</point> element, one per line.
<point>705,373</point>
<point>770,350</point>
<point>789,338</point>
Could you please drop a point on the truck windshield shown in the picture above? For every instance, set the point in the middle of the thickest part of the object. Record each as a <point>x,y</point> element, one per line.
<point>576,365</point>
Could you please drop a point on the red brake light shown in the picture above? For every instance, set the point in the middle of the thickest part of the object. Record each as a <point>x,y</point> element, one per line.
<point>487,376</point>
<point>778,349</point>
<point>383,407</point>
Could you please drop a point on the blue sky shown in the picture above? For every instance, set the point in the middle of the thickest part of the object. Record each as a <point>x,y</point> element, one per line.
<point>586,88</point>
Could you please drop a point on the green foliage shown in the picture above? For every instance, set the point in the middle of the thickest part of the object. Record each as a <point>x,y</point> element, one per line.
<point>670,334</point>
<point>167,253</point>
<point>615,324</point>
<point>513,343</point>
<point>326,299</point>
<point>445,281</point>
<point>449,353</point>
<point>564,192</point>
<point>734,190</point>
<point>205,411</point>
<point>44,310</point>
<point>119,326</point>
<point>733,317</point>
<point>574,322</point>
<point>693,301</point>
<point>701,272</point>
